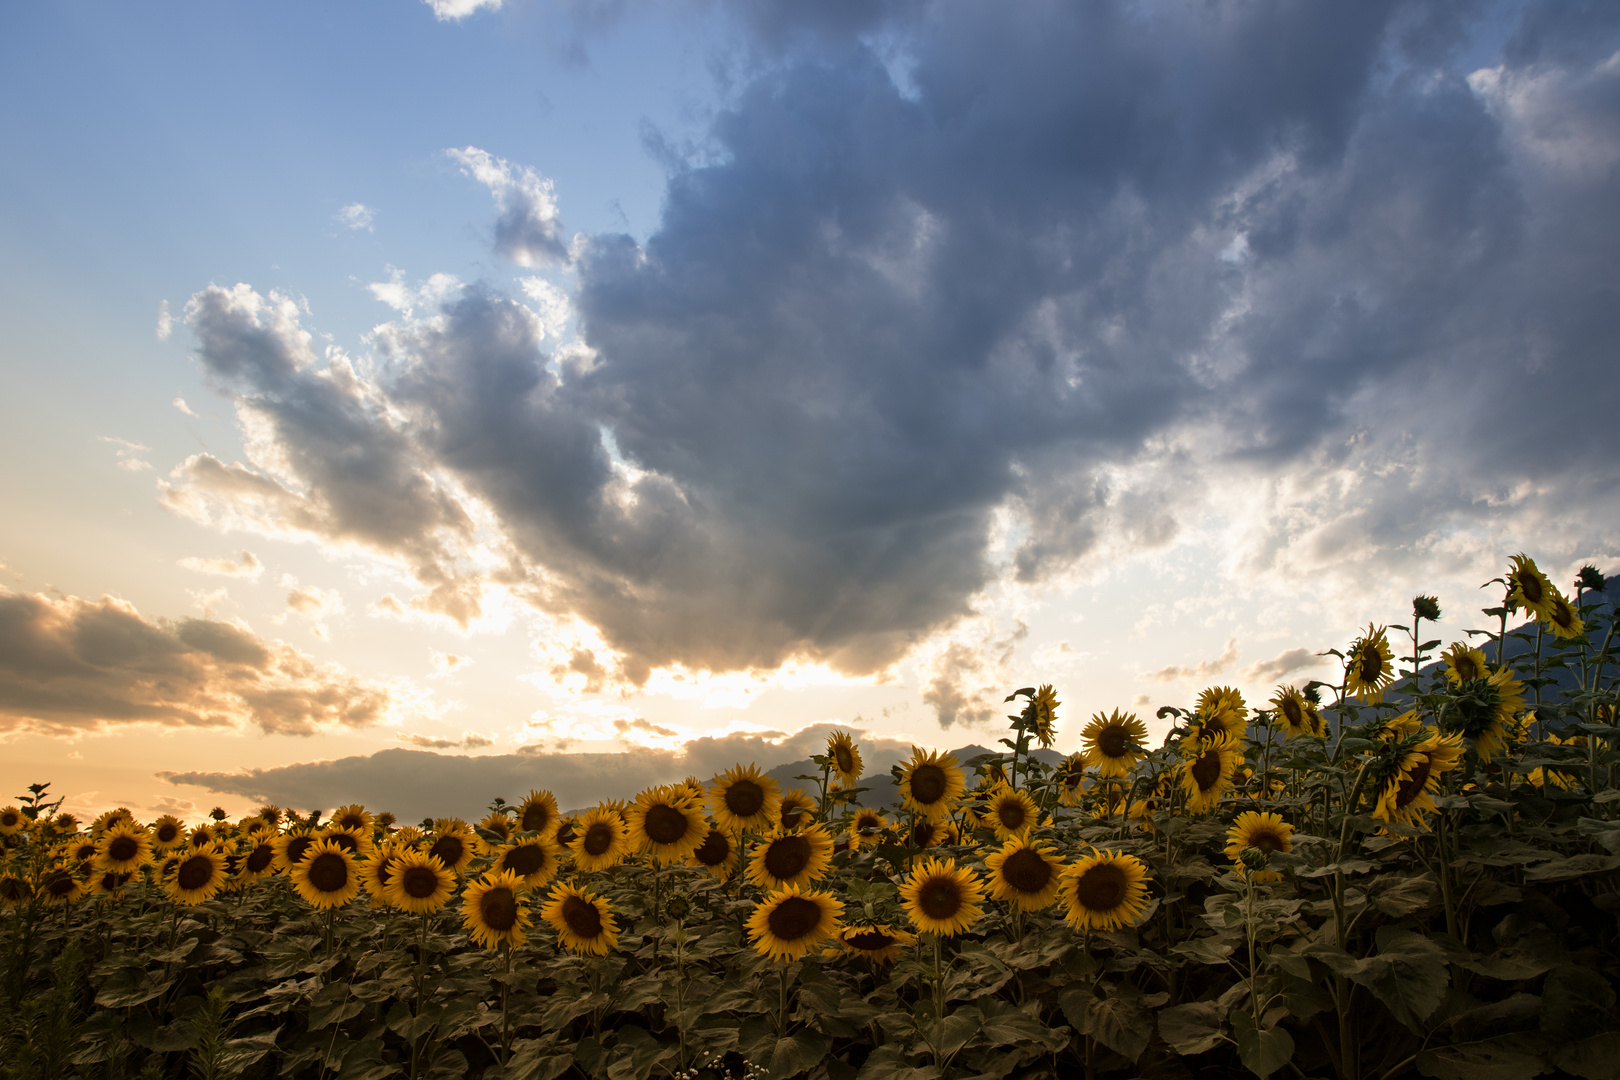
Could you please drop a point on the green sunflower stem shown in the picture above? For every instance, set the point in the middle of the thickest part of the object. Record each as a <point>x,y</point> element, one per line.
<point>506,1010</point>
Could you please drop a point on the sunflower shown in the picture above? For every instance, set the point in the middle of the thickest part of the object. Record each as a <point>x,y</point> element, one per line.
<point>272,813</point>
<point>353,817</point>
<point>1563,619</point>
<point>925,834</point>
<point>1399,727</point>
<point>1105,890</point>
<point>327,876</point>
<point>258,862</point>
<point>742,799</point>
<point>493,912</point>
<point>109,883</point>
<point>1207,773</point>
<point>291,847</point>
<point>419,883</point>
<point>533,861</point>
<point>1010,813</point>
<point>537,813</point>
<point>1297,712</point>
<point>788,924</point>
<point>717,854</point>
<point>82,850</point>
<point>198,875</point>
<point>1025,874</point>
<point>14,891</point>
<point>1042,712</point>
<point>124,848</point>
<point>666,824</point>
<point>1113,743</point>
<point>254,827</point>
<point>497,823</point>
<point>797,809</point>
<point>866,827</point>
<point>602,840</point>
<point>356,842</point>
<point>942,898</point>
<point>60,886</point>
<point>1221,723</point>
<point>11,821</point>
<point>791,859</point>
<point>1266,833</point>
<point>1071,774</point>
<point>931,784</point>
<point>1369,666</point>
<point>566,833</point>
<point>1216,699</point>
<point>1465,664</point>
<point>454,845</point>
<point>1405,795</point>
<point>110,818</point>
<point>583,920</point>
<point>696,790</point>
<point>1529,588</point>
<point>1484,710</point>
<point>878,942</point>
<point>846,759</point>
<point>1541,776</point>
<point>377,872</point>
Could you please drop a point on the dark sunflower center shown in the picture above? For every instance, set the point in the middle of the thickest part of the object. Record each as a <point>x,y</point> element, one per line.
<point>923,835</point>
<point>297,846</point>
<point>744,798</point>
<point>598,838</point>
<point>1011,813</point>
<point>1467,670</point>
<point>86,852</point>
<point>1372,664</point>
<point>869,940</point>
<point>793,815</point>
<point>1292,712</point>
<point>787,856</point>
<point>928,783</point>
<point>1206,770</point>
<point>565,834</point>
<point>345,841</point>
<point>59,883</point>
<point>535,817</point>
<point>1562,615</point>
<point>1026,871</point>
<point>940,898</point>
<point>10,819</point>
<point>582,918</point>
<point>351,821</point>
<point>113,881</point>
<point>844,759</point>
<point>665,824</point>
<point>1266,840</point>
<point>794,918</point>
<point>499,909</point>
<point>260,858</point>
<point>1413,785</point>
<point>714,850</point>
<point>1101,889</point>
<point>1114,741</point>
<point>123,848</point>
<point>1530,587</point>
<point>525,859</point>
<point>195,872</point>
<point>449,849</point>
<point>329,872</point>
<point>866,823</point>
<point>419,882</point>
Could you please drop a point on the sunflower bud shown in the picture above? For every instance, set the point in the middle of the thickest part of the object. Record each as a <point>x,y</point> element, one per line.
<point>678,907</point>
<point>1253,858</point>
<point>1591,579</point>
<point>218,813</point>
<point>1426,607</point>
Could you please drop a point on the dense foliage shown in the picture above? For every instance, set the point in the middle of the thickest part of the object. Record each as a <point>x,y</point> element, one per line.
<point>1412,872</point>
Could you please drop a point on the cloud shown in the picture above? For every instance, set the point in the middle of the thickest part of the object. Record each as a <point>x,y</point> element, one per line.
<point>528,227</point>
<point>1204,669</point>
<point>444,664</point>
<point>180,403</point>
<point>456,10</point>
<point>470,740</point>
<point>165,321</point>
<point>246,564</point>
<point>356,216</point>
<point>314,603</point>
<point>1284,663</point>
<point>128,453</point>
<point>69,666</point>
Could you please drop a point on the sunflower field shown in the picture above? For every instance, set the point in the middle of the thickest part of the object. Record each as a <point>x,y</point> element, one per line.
<point>1414,872</point>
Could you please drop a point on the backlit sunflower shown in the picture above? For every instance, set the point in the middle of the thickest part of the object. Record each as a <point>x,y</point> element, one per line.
<point>566,832</point>
<point>1220,723</point>
<point>110,818</point>
<point>14,891</point>
<point>931,783</point>
<point>497,823</point>
<point>378,871</point>
<point>666,824</point>
<point>80,850</point>
<point>583,920</point>
<point>1025,874</point>
<point>1042,712</point>
<point>1369,666</point>
<point>1564,620</point>
<point>109,883</point>
<point>601,839</point>
<point>327,876</point>
<point>1113,743</point>
<point>1229,699</point>
<point>493,911</point>
<point>1405,796</point>
<point>846,759</point>
<point>534,861</point>
<point>794,859</point>
<point>453,844</point>
<point>11,821</point>
<point>1105,890</point>
<point>254,827</point>
<point>1266,833</point>
<point>879,943</point>
<point>742,799</point>
<point>198,875</point>
<point>1207,773</point>
<point>1484,710</point>
<point>717,854</point>
<point>866,827</point>
<point>537,813</point>
<point>1529,588</point>
<point>291,847</point>
<point>258,861</point>
<point>1399,727</point>
<point>788,924</point>
<point>926,834</point>
<point>1010,813</point>
<point>797,809</point>
<point>1071,774</point>
<point>419,883</point>
<point>1297,712</point>
<point>60,886</point>
<point>273,814</point>
<point>124,848</point>
<point>353,817</point>
<point>356,842</point>
<point>1465,664</point>
<point>942,898</point>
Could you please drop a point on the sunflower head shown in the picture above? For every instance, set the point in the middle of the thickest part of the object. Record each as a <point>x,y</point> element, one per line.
<point>60,886</point>
<point>1465,664</point>
<point>1041,714</point>
<point>14,891</point>
<point>537,813</point>
<point>1112,744</point>
<point>742,799</point>
<point>1207,772</point>
<point>419,883</point>
<point>1484,710</point>
<point>1071,774</point>
<point>1298,713</point>
<point>1528,587</point>
<point>533,860</point>
<point>1105,890</point>
<point>1369,666</point>
<point>1265,833</point>
<point>866,827</point>
<point>1565,620</point>
<point>1406,794</point>
<point>353,817</point>
<point>797,810</point>
<point>493,911</point>
<point>1010,813</point>
<point>878,943</point>
<point>453,844</point>
<point>497,823</point>
<point>931,783</point>
<point>198,875</point>
<point>790,922</point>
<point>846,758</point>
<point>11,821</point>
<point>124,848</point>
<point>717,854</point>
<point>584,921</point>
<point>666,823</point>
<point>791,859</point>
<point>1025,874</point>
<point>600,841</point>
<point>327,876</point>
<point>925,834</point>
<point>942,898</point>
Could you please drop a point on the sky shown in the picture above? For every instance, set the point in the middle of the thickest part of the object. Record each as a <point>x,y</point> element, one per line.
<point>417,402</point>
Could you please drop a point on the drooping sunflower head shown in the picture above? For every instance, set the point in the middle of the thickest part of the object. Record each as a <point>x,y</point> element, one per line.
<point>1565,620</point>
<point>1207,772</point>
<point>1297,712</point>
<point>1484,710</point>
<point>1071,774</point>
<point>717,854</point>
<point>584,921</point>
<point>931,783</point>
<point>666,824</point>
<point>1528,587</point>
<point>419,883</point>
<point>327,876</point>
<point>942,898</point>
<point>866,827</point>
<point>1223,699</point>
<point>123,848</point>
<point>846,758</point>
<point>790,922</point>
<point>1112,744</point>
<point>1399,727</point>
<point>537,813</point>
<point>493,911</point>
<point>1105,890</point>
<point>601,840</point>
<point>198,875</point>
<point>1010,813</point>
<point>1267,833</point>
<point>1041,712</point>
<point>1406,795</point>
<point>878,943</point>
<point>796,810</point>
<point>453,844</point>
<point>1369,666</point>
<point>1027,875</point>
<point>352,817</point>
<point>743,799</point>
<point>533,860</point>
<point>791,859</point>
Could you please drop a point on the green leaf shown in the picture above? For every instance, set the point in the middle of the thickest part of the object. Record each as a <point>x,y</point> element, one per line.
<point>1572,868</point>
<point>1205,950</point>
<point>1575,1002</point>
<point>1304,999</point>
<point>1398,897</point>
<point>945,1037</point>
<point>634,1054</point>
<point>1192,1028</point>
<point>1502,1057</point>
<point>1594,1058</point>
<point>1121,1022</point>
<point>888,1062</point>
<point>1408,975</point>
<point>797,1053</point>
<point>1262,1050</point>
<point>1508,965</point>
<point>1516,1013</point>
<point>537,1059</point>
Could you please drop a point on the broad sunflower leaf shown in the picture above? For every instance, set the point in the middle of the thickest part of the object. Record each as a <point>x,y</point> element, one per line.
<point>1594,1058</point>
<point>797,1053</point>
<point>1501,1057</point>
<point>1508,965</point>
<point>888,1062</point>
<point>1516,1013</point>
<point>1408,975</point>
<point>1121,1022</point>
<point>1573,867</point>
<point>1004,1024</point>
<point>1576,1002</point>
<point>634,1054</point>
<point>1262,1050</point>
<point>1398,897</point>
<point>1192,1028</point>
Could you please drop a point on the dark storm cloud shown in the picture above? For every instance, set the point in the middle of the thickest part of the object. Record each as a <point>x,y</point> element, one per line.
<point>1280,237</point>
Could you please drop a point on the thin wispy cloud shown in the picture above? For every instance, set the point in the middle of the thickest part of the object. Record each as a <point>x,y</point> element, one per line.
<point>356,216</point>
